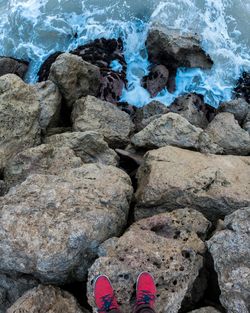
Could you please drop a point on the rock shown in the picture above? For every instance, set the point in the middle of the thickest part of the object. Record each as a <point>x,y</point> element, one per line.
<point>156,80</point>
<point>19,113</point>
<point>172,178</point>
<point>45,299</point>
<point>13,66</point>
<point>173,49</point>
<point>71,215</point>
<point>89,146</point>
<point>44,159</point>
<point>2,188</point>
<point>208,309</point>
<point>225,133</point>
<point>238,107</point>
<point>169,129</point>
<point>44,71</point>
<point>166,245</point>
<point>230,249</point>
<point>50,104</point>
<point>192,108</point>
<point>91,113</point>
<point>246,124</point>
<point>74,77</point>
<point>112,85</point>
<point>242,89</point>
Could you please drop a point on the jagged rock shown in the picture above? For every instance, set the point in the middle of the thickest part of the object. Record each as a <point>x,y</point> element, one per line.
<point>50,104</point>
<point>169,129</point>
<point>172,178</point>
<point>246,124</point>
<point>238,107</point>
<point>43,73</point>
<point>230,249</point>
<point>44,299</point>
<point>74,77</point>
<point>51,226</point>
<point>156,80</point>
<point>57,130</point>
<point>225,133</point>
<point>13,66</point>
<point>242,89</point>
<point>44,159</point>
<point>19,114</point>
<point>12,288</point>
<point>208,309</point>
<point>173,49</point>
<point>91,113</point>
<point>166,245</point>
<point>89,146</point>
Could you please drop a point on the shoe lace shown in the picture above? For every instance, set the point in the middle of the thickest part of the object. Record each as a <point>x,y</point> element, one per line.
<point>145,297</point>
<point>107,303</point>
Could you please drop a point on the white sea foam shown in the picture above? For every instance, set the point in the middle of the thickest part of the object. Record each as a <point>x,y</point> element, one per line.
<point>33,29</point>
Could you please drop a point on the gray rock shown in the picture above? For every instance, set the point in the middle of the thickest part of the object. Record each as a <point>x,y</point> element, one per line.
<point>156,80</point>
<point>167,246</point>
<point>91,113</point>
<point>208,309</point>
<point>169,129</point>
<point>246,124</point>
<point>74,77</point>
<point>51,226</point>
<point>19,113</point>
<point>13,66</point>
<point>238,107</point>
<point>89,146</point>
<point>230,249</point>
<point>172,178</point>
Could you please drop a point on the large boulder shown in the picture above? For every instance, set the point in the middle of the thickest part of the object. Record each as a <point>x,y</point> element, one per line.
<point>238,107</point>
<point>89,146</point>
<point>74,77</point>
<point>90,113</point>
<point>173,49</point>
<point>166,245</point>
<point>19,115</point>
<point>230,249</point>
<point>44,299</point>
<point>172,178</point>
<point>156,80</point>
<point>169,129</point>
<point>13,66</point>
<point>51,226</point>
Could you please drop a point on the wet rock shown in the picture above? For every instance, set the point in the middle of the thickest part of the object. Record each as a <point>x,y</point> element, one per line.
<point>19,115</point>
<point>50,104</point>
<point>166,245</point>
<point>71,215</point>
<point>173,49</point>
<point>169,129</point>
<point>45,299</point>
<point>2,188</point>
<point>13,66</point>
<point>89,146</point>
<point>225,136</point>
<point>74,77</point>
<point>208,309</point>
<point>172,178</point>
<point>238,107</point>
<point>44,159</point>
<point>242,89</point>
<point>230,249</point>
<point>43,73</point>
<point>156,80</point>
<point>91,113</point>
<point>246,123</point>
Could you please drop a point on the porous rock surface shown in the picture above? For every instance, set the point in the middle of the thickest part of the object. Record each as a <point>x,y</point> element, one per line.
<point>208,309</point>
<point>166,245</point>
<point>172,178</point>
<point>13,66</point>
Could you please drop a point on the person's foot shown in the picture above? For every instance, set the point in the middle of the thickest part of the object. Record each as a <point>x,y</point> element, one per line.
<point>104,295</point>
<point>145,290</point>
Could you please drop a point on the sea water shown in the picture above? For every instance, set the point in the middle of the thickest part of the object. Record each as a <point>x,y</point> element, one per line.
<point>34,29</point>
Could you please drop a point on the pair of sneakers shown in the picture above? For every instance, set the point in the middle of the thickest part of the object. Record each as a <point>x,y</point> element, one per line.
<point>105,296</point>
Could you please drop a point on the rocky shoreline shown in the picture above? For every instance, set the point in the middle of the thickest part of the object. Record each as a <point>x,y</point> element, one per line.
<point>89,185</point>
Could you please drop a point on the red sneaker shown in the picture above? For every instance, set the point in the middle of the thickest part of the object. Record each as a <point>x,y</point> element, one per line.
<point>104,295</point>
<point>145,290</point>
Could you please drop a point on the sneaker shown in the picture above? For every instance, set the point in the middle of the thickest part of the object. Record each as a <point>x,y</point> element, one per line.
<point>145,290</point>
<point>104,295</point>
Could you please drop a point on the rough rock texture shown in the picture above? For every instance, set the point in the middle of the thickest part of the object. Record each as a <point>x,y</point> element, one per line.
<point>208,309</point>
<point>13,66</point>
<point>169,129</point>
<point>44,71</point>
<point>71,215</point>
<point>242,89</point>
<point>166,245</point>
<point>44,299</point>
<point>91,113</point>
<point>12,288</point>
<point>44,159</point>
<point>238,107</point>
<point>89,146</point>
<point>173,49</point>
<point>156,80</point>
<point>225,136</point>
<point>172,178</point>
<point>230,249</point>
<point>74,77</point>
<point>19,113</point>
<point>246,124</point>
<point>50,104</point>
